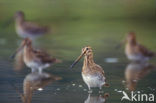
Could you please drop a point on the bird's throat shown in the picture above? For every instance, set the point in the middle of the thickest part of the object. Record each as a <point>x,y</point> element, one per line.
<point>88,60</point>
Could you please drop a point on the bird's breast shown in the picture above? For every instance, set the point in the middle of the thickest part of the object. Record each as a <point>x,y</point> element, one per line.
<point>129,49</point>
<point>20,31</point>
<point>28,56</point>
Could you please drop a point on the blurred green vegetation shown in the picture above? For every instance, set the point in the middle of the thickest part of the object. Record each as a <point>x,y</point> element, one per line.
<point>77,23</point>
<point>80,9</point>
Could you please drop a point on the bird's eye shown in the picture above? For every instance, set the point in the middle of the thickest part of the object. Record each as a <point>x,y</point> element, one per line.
<point>87,49</point>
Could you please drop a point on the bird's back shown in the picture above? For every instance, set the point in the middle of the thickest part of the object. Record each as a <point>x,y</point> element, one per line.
<point>93,70</point>
<point>43,56</point>
<point>34,28</point>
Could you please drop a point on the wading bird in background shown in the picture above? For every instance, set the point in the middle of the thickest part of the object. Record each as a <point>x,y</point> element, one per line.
<point>37,60</point>
<point>135,51</point>
<point>93,74</point>
<point>28,29</point>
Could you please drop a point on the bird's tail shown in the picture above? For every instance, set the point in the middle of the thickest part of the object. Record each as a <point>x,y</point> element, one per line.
<point>106,85</point>
<point>58,61</point>
<point>151,54</point>
<point>58,78</point>
<point>106,95</point>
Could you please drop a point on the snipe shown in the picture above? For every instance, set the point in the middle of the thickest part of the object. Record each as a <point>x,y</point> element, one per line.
<point>28,29</point>
<point>135,51</point>
<point>92,74</point>
<point>35,59</point>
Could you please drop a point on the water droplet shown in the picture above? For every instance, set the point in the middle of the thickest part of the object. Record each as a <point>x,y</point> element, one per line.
<point>40,89</point>
<point>111,60</point>
<point>101,92</point>
<point>73,84</point>
<point>115,90</point>
<point>123,81</point>
<point>119,91</point>
<point>90,91</point>
<point>80,86</point>
<point>134,80</point>
<point>84,89</point>
<point>58,89</point>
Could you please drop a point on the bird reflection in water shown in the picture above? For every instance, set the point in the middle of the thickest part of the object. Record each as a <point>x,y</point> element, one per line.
<point>35,81</point>
<point>136,71</point>
<point>96,99</point>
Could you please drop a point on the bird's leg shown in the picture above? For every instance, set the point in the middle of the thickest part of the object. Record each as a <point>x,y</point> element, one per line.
<point>90,91</point>
<point>33,70</point>
<point>40,70</point>
<point>106,85</point>
<point>100,89</point>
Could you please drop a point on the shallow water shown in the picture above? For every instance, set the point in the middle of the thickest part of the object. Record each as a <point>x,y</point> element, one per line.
<point>66,45</point>
<point>65,42</point>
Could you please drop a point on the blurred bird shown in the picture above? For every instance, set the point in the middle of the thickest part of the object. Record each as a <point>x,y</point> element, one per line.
<point>28,29</point>
<point>134,51</point>
<point>93,74</point>
<point>37,60</point>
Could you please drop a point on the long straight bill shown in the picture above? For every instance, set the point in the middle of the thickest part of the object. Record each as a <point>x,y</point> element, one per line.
<point>19,49</point>
<point>77,60</point>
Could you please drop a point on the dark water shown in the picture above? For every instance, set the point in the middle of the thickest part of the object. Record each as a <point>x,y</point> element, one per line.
<point>66,45</point>
<point>69,35</point>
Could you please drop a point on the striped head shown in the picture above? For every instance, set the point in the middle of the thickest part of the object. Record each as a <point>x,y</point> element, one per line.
<point>26,42</point>
<point>86,51</point>
<point>131,37</point>
<point>19,16</point>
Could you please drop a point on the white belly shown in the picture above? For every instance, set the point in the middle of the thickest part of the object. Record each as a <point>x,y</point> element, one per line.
<point>94,81</point>
<point>137,57</point>
<point>36,65</point>
<point>21,32</point>
<point>24,34</point>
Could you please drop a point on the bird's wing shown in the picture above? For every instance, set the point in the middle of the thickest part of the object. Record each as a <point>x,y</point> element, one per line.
<point>34,28</point>
<point>97,70</point>
<point>144,50</point>
<point>44,57</point>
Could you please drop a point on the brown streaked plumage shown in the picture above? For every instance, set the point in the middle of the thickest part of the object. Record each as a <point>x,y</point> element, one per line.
<point>35,59</point>
<point>28,29</point>
<point>135,51</point>
<point>136,71</point>
<point>93,74</point>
